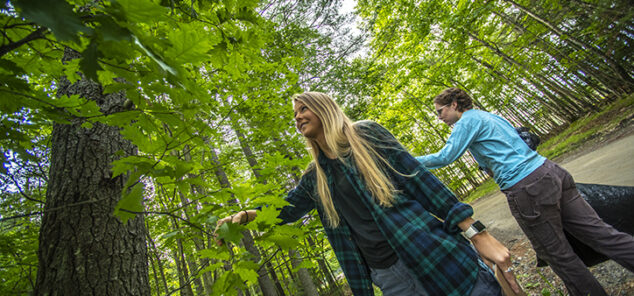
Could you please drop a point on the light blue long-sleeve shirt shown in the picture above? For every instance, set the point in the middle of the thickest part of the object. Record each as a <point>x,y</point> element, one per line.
<point>494,144</point>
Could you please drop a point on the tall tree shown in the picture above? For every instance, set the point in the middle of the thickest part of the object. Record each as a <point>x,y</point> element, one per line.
<point>148,52</point>
<point>84,249</point>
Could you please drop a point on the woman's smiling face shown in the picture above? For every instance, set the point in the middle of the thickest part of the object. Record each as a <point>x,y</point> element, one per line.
<point>307,122</point>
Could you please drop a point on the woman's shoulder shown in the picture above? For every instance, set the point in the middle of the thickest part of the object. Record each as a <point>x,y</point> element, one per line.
<point>473,117</point>
<point>376,134</point>
<point>366,124</point>
<point>310,169</point>
<point>370,127</point>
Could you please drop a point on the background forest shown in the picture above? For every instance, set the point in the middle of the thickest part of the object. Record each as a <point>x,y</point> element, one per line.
<point>128,127</point>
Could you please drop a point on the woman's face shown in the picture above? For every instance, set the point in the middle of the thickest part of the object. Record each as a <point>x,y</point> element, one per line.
<point>448,113</point>
<point>307,123</point>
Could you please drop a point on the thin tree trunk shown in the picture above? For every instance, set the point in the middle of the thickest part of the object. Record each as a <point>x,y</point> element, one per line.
<point>323,265</point>
<point>203,282</point>
<point>183,273</point>
<point>193,269</point>
<point>305,279</point>
<point>266,285</point>
<point>618,68</point>
<point>161,269</point>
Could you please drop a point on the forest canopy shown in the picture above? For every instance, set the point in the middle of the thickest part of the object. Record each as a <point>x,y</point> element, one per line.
<point>130,126</point>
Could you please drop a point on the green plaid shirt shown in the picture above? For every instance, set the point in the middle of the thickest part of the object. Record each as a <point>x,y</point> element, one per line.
<point>433,250</point>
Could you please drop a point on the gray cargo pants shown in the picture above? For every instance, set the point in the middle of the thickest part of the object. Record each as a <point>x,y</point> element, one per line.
<point>546,202</point>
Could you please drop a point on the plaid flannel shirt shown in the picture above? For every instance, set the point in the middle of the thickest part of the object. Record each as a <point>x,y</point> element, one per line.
<point>433,250</point>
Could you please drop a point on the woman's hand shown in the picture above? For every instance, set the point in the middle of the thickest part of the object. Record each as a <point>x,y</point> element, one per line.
<point>241,217</point>
<point>492,250</point>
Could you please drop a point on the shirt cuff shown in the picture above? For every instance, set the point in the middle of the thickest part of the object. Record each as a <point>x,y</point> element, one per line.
<point>457,214</point>
<point>421,159</point>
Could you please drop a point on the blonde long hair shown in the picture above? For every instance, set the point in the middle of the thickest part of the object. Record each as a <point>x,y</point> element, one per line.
<point>343,140</point>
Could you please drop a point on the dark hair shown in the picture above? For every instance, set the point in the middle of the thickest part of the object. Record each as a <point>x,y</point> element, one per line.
<point>455,94</point>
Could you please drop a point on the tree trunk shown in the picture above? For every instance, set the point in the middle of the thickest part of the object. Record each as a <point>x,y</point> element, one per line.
<point>154,254</point>
<point>266,285</point>
<point>618,68</point>
<point>271,270</point>
<point>304,276</point>
<point>84,249</point>
<point>332,284</point>
<point>582,69</point>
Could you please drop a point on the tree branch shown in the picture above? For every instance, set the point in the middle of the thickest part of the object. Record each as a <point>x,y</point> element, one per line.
<point>37,34</point>
<point>53,209</point>
<point>22,192</point>
<point>171,215</point>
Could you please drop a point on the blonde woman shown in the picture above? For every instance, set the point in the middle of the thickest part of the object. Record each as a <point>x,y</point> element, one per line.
<point>379,206</point>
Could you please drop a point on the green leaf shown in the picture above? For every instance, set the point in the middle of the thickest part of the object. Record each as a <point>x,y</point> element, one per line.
<point>120,119</point>
<point>71,70</point>
<point>267,216</point>
<point>282,238</point>
<point>189,44</point>
<point>131,201</point>
<point>89,64</point>
<point>227,284</point>
<point>111,31</point>
<point>231,232</point>
<point>212,267</point>
<point>87,125</point>
<point>275,201</point>
<point>171,118</point>
<point>247,264</point>
<point>290,230</point>
<point>242,191</point>
<point>211,220</point>
<point>143,11</point>
<point>56,15</point>
<point>248,275</point>
<point>11,66</point>
<point>132,162</point>
<point>150,53</point>
<point>305,264</point>
<point>171,234</point>
<point>216,253</point>
<point>137,136</point>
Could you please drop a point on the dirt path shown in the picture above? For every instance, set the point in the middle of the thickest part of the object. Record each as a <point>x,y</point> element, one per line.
<point>612,164</point>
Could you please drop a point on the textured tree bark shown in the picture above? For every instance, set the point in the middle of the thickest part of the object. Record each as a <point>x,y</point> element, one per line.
<point>84,249</point>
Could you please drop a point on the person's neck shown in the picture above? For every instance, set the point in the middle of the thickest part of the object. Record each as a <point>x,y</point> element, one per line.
<point>461,112</point>
<point>321,141</point>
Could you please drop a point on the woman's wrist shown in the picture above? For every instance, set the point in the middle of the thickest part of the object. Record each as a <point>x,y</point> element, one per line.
<point>246,216</point>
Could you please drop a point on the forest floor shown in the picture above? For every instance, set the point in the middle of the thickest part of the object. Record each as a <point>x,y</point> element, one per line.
<point>606,158</point>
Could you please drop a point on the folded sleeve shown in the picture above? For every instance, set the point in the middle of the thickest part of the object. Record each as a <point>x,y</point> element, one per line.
<point>301,200</point>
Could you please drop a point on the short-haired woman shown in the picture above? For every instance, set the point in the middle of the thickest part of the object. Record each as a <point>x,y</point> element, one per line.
<point>541,195</point>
